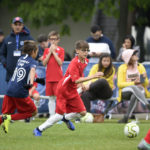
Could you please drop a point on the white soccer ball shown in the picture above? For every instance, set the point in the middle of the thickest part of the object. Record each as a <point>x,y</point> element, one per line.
<point>88,118</point>
<point>131,130</point>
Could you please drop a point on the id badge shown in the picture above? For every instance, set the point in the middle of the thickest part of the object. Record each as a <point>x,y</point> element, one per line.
<point>17,53</point>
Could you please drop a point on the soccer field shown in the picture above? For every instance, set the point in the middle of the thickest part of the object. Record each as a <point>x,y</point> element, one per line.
<point>95,136</point>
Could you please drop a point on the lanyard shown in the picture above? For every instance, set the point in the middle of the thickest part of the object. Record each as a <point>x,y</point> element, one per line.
<point>17,42</point>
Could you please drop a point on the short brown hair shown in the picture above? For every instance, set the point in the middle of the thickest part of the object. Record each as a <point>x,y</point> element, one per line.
<point>81,44</point>
<point>29,47</point>
<point>54,33</point>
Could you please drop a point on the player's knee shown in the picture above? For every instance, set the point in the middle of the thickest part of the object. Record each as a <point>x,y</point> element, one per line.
<point>83,113</point>
<point>35,112</point>
<point>36,97</point>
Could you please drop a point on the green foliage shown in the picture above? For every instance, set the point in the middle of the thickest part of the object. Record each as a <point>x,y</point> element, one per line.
<point>47,12</point>
<point>110,7</point>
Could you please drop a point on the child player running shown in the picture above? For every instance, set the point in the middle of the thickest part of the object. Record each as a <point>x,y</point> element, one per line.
<point>17,94</point>
<point>68,103</point>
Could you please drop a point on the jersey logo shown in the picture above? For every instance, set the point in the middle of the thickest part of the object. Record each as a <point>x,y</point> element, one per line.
<point>9,43</point>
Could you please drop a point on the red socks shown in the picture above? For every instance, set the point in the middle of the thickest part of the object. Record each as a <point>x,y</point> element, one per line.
<point>20,116</point>
<point>147,137</point>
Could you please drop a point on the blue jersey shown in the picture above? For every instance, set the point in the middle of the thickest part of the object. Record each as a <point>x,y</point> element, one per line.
<point>21,77</point>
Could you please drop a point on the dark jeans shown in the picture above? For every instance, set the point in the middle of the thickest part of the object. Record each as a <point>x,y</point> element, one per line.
<point>99,89</point>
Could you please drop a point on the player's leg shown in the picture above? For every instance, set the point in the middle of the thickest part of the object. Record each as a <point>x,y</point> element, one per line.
<point>8,108</point>
<point>60,110</point>
<point>145,143</point>
<point>52,105</point>
<point>47,124</point>
<point>75,110</point>
<point>25,109</point>
<point>50,91</point>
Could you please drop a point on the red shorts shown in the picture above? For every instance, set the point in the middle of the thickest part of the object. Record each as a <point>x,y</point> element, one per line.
<point>64,105</point>
<point>23,105</point>
<point>51,88</point>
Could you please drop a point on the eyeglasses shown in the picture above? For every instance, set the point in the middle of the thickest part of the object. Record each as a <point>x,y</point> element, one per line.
<point>53,39</point>
<point>85,50</point>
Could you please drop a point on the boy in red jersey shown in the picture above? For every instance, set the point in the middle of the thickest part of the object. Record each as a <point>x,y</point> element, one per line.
<point>69,104</point>
<point>53,58</point>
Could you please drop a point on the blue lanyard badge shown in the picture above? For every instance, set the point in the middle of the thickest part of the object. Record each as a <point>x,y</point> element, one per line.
<point>17,42</point>
<point>17,52</point>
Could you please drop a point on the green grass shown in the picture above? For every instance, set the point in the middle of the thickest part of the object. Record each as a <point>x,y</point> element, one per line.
<point>97,136</point>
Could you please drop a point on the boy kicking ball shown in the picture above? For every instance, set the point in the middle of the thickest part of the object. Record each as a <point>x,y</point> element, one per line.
<point>68,103</point>
<point>17,95</point>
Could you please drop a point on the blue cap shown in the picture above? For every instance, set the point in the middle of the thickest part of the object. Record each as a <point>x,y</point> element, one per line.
<point>17,19</point>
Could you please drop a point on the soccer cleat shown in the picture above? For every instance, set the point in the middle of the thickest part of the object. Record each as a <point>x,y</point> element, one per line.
<point>37,132</point>
<point>6,121</point>
<point>143,145</point>
<point>69,124</point>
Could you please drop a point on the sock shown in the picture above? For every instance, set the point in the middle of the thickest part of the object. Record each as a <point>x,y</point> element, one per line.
<point>20,116</point>
<point>147,137</point>
<point>72,116</point>
<point>50,122</point>
<point>52,105</point>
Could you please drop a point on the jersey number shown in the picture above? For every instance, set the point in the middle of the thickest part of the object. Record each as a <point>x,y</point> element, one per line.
<point>19,73</point>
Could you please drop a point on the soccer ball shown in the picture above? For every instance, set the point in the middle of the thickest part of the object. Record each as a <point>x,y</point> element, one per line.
<point>88,118</point>
<point>131,130</point>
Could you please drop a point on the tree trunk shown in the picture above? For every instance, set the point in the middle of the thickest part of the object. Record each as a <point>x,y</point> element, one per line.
<point>122,22</point>
<point>140,41</point>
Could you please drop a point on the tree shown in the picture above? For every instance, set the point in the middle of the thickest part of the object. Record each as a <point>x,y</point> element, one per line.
<point>47,12</point>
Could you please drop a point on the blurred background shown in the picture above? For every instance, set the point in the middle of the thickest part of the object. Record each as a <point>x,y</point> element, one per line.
<point>73,19</point>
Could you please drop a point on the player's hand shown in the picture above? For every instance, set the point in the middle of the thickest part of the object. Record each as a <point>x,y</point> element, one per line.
<point>28,86</point>
<point>83,87</point>
<point>40,81</point>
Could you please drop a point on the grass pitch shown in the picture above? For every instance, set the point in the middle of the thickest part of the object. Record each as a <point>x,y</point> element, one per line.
<point>95,136</point>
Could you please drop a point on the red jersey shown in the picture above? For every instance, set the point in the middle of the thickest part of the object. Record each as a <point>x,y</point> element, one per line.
<point>53,71</point>
<point>67,85</point>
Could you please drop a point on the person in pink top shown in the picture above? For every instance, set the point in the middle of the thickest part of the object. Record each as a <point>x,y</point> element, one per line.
<point>53,58</point>
<point>132,82</point>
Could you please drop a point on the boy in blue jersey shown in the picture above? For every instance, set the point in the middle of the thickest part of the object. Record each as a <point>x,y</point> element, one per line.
<point>17,94</point>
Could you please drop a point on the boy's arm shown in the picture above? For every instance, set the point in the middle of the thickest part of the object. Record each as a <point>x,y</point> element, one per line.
<point>83,79</point>
<point>31,90</point>
<point>32,75</point>
<point>59,61</point>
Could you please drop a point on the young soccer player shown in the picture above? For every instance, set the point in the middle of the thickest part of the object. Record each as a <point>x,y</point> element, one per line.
<point>69,104</point>
<point>53,58</point>
<point>17,95</point>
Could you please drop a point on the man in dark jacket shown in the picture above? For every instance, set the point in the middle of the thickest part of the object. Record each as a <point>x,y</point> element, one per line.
<point>11,48</point>
<point>98,44</point>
